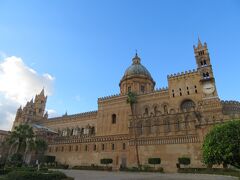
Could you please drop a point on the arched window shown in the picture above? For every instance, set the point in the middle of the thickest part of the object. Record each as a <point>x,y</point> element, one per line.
<point>187,105</point>
<point>129,89</point>
<point>146,111</point>
<point>155,110</point>
<point>114,118</point>
<point>76,148</point>
<point>93,130</point>
<point>142,89</point>
<point>165,109</point>
<point>94,147</point>
<point>204,62</point>
<point>123,146</point>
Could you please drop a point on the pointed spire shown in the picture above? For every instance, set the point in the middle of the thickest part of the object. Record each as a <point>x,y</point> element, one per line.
<point>46,115</point>
<point>42,92</point>
<point>199,42</point>
<point>31,102</point>
<point>20,108</point>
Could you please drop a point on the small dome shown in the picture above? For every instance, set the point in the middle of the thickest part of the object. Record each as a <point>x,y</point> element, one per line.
<point>137,69</point>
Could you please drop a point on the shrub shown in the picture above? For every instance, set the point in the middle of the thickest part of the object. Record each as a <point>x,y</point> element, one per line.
<point>92,167</point>
<point>4,171</point>
<point>62,166</point>
<point>145,168</point>
<point>184,160</point>
<point>16,160</point>
<point>106,161</point>
<point>58,166</point>
<point>49,159</point>
<point>26,175</point>
<point>154,161</point>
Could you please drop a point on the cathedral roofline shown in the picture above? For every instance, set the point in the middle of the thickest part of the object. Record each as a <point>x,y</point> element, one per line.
<point>83,114</point>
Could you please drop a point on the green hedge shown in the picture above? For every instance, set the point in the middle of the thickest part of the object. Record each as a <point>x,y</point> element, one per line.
<point>184,160</point>
<point>93,167</point>
<point>4,171</point>
<point>154,161</point>
<point>58,166</point>
<point>27,175</point>
<point>106,161</point>
<point>144,168</point>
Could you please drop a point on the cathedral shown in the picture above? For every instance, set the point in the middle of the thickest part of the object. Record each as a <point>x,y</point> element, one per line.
<point>167,123</point>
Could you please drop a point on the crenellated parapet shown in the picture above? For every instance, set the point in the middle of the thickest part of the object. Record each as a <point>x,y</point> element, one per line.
<point>182,74</point>
<point>161,89</point>
<point>231,107</point>
<point>108,97</point>
<point>230,102</point>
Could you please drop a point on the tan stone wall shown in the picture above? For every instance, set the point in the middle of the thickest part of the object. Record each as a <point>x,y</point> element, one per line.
<point>156,117</point>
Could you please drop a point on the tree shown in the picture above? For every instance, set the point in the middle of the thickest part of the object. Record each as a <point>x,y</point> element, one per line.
<point>222,144</point>
<point>21,138</point>
<point>40,146</point>
<point>132,100</point>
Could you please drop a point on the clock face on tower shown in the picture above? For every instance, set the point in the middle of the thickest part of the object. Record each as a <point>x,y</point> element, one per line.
<point>208,88</point>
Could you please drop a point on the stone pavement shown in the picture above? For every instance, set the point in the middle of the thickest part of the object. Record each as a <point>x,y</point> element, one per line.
<point>104,175</point>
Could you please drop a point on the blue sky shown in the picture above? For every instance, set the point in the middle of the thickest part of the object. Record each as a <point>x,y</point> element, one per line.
<point>87,45</point>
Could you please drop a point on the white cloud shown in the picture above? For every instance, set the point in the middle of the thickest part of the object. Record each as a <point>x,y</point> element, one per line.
<point>18,84</point>
<point>52,113</point>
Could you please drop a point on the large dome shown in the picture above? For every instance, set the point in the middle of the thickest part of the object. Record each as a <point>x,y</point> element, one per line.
<point>136,69</point>
<point>136,78</point>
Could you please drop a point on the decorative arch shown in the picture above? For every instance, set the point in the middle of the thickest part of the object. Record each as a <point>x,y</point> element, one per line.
<point>187,105</point>
<point>156,110</point>
<point>172,111</point>
<point>146,110</point>
<point>165,107</point>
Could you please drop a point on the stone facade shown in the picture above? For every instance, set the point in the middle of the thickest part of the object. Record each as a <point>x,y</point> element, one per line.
<point>169,122</point>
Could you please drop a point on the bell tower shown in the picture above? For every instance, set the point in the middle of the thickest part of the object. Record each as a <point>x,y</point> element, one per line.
<point>204,68</point>
<point>40,104</point>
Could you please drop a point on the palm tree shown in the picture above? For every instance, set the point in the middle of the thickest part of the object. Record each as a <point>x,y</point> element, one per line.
<point>20,139</point>
<point>132,100</point>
